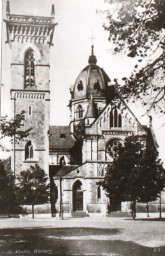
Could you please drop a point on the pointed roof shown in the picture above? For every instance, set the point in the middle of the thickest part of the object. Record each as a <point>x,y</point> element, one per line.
<point>8,7</point>
<point>91,113</point>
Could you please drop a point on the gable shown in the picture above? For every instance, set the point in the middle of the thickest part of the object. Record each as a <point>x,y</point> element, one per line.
<point>116,116</point>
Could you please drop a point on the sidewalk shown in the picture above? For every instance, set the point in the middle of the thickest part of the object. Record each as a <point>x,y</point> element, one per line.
<point>45,220</point>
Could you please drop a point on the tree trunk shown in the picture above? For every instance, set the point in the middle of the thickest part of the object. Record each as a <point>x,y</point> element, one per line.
<point>148,210</point>
<point>52,197</point>
<point>33,211</point>
<point>160,207</point>
<point>133,204</point>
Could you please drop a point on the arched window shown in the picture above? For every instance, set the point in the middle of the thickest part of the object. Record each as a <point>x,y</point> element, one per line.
<point>98,192</point>
<point>97,86</point>
<point>30,110</point>
<point>111,119</point>
<point>29,68</point>
<point>102,172</point>
<point>62,161</point>
<point>79,111</point>
<point>28,150</point>
<point>115,119</point>
<point>120,120</point>
<point>80,86</point>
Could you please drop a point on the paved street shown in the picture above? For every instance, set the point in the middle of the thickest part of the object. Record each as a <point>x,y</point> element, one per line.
<point>85,236</point>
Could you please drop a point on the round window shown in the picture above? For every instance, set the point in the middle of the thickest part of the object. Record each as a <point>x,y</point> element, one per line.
<point>111,148</point>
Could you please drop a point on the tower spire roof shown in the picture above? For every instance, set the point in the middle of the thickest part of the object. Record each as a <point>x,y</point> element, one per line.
<point>92,49</point>
<point>92,58</point>
<point>53,11</point>
<point>91,113</point>
<point>8,7</point>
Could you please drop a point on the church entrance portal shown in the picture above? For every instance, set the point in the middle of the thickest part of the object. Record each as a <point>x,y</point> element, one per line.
<point>77,196</point>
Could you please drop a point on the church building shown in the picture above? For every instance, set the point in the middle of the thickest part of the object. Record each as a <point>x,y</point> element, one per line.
<point>79,153</point>
<point>74,157</point>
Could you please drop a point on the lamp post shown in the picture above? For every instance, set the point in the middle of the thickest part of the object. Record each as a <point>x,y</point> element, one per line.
<point>61,210</point>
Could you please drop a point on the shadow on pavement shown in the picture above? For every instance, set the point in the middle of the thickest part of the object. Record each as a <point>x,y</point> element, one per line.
<point>70,241</point>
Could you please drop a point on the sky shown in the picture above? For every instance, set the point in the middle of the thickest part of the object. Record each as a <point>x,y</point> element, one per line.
<point>72,46</point>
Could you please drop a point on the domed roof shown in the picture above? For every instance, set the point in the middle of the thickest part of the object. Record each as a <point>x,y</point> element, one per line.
<point>92,81</point>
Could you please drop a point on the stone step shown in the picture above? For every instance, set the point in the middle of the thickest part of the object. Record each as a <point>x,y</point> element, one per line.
<point>119,214</point>
<point>79,214</point>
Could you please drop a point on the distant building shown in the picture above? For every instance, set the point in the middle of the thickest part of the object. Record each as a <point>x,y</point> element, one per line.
<point>74,156</point>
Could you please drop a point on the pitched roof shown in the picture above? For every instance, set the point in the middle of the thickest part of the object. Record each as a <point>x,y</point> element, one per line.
<point>60,138</point>
<point>60,171</point>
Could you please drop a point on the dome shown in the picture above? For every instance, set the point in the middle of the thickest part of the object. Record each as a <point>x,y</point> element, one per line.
<point>92,81</point>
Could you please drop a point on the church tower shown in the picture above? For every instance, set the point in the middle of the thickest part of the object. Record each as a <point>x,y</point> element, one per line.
<point>88,95</point>
<point>30,39</point>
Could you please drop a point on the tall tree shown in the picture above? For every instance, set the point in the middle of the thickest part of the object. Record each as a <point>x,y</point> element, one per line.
<point>9,202</point>
<point>136,173</point>
<point>13,129</point>
<point>137,27</point>
<point>34,187</point>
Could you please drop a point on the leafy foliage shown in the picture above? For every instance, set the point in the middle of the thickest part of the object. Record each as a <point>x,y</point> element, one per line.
<point>136,173</point>
<point>34,187</point>
<point>9,202</point>
<point>138,28</point>
<point>13,127</point>
<point>136,24</point>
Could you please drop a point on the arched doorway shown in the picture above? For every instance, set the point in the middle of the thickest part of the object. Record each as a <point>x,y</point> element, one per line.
<point>77,196</point>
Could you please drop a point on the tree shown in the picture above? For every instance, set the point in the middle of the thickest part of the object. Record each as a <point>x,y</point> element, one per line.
<point>34,187</point>
<point>136,173</point>
<point>13,127</point>
<point>9,203</point>
<point>137,27</point>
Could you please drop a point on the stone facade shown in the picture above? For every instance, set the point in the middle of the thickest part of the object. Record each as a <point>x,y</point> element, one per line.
<point>89,176</point>
<point>30,38</point>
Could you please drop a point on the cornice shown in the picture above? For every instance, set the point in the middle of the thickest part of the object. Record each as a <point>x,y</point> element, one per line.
<point>28,94</point>
<point>36,29</point>
<point>30,19</point>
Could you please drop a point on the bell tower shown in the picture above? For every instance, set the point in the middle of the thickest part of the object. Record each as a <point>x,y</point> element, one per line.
<point>30,39</point>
